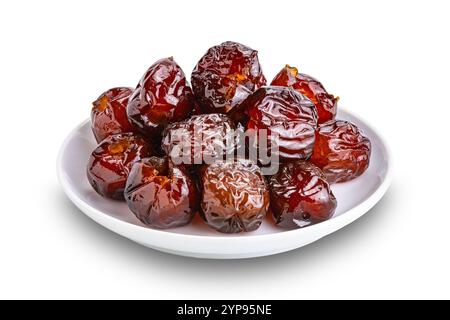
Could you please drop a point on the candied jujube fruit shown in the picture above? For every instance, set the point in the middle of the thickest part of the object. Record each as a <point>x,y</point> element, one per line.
<point>162,96</point>
<point>111,162</point>
<point>200,138</point>
<point>234,196</point>
<point>341,151</point>
<point>160,194</point>
<point>300,195</point>
<point>325,103</point>
<point>109,113</point>
<point>289,118</point>
<point>225,76</point>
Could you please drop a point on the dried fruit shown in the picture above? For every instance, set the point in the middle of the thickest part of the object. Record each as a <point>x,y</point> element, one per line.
<point>289,118</point>
<point>160,194</point>
<point>109,113</point>
<point>325,103</point>
<point>199,139</point>
<point>172,151</point>
<point>111,161</point>
<point>300,195</point>
<point>341,151</point>
<point>225,76</point>
<point>162,96</point>
<point>235,197</point>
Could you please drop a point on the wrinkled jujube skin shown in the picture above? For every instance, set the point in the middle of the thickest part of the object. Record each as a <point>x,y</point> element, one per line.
<point>162,96</point>
<point>300,195</point>
<point>341,151</point>
<point>225,76</point>
<point>325,103</point>
<point>160,194</point>
<point>286,115</point>
<point>235,197</point>
<point>199,138</point>
<point>111,162</point>
<point>109,113</point>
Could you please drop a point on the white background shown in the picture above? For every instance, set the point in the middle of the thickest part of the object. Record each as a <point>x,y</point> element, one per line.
<point>387,60</point>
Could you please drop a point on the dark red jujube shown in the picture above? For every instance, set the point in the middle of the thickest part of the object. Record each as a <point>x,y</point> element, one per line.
<point>200,139</point>
<point>162,96</point>
<point>341,150</point>
<point>225,76</point>
<point>325,103</point>
<point>234,196</point>
<point>111,162</point>
<point>289,118</point>
<point>160,194</point>
<point>109,113</point>
<point>300,195</point>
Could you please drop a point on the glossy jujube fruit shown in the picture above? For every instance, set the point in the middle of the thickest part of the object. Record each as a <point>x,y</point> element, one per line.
<point>341,150</point>
<point>160,194</point>
<point>234,196</point>
<point>225,76</point>
<point>162,96</point>
<point>300,195</point>
<point>109,113</point>
<point>325,103</point>
<point>111,162</point>
<point>199,139</point>
<point>289,118</point>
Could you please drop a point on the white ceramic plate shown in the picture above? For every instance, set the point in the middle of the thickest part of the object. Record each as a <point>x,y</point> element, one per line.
<point>354,198</point>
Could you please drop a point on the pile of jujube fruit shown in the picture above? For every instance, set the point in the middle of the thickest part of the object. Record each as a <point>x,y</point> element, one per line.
<point>142,131</point>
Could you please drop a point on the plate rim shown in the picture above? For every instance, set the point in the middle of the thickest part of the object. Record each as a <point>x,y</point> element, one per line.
<point>363,207</point>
